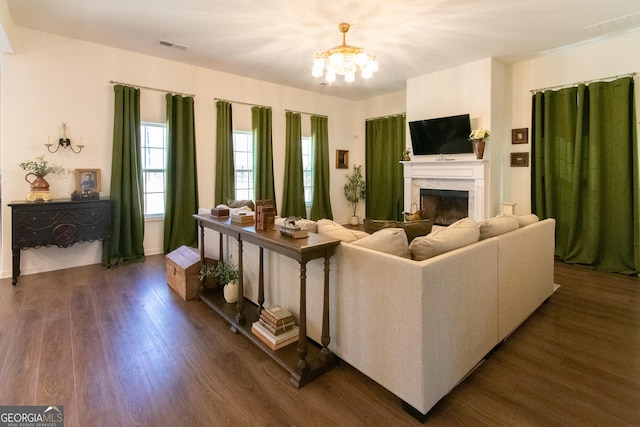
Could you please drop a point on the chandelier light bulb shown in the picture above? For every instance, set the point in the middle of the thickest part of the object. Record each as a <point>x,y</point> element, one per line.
<point>344,60</point>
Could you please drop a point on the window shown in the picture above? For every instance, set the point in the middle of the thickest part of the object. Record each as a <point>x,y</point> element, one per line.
<point>306,169</point>
<point>243,164</point>
<point>154,167</point>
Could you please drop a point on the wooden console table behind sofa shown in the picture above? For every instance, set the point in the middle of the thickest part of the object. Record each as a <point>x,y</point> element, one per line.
<point>57,222</point>
<point>304,362</point>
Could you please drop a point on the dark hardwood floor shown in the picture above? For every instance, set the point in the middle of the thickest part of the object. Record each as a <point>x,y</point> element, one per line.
<point>118,347</point>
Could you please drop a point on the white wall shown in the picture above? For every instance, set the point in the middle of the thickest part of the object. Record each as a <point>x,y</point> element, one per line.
<point>498,97</point>
<point>461,90</point>
<point>50,79</point>
<point>609,57</point>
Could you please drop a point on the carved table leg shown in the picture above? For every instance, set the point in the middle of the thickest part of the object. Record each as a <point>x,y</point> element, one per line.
<point>204,279</point>
<point>16,265</point>
<point>303,365</point>
<point>261,282</point>
<point>240,318</point>
<point>325,353</point>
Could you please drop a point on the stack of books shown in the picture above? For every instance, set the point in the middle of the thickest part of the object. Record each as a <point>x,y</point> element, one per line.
<point>265,215</point>
<point>242,218</point>
<point>276,327</point>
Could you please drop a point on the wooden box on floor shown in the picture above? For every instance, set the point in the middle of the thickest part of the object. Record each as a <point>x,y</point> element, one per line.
<point>183,269</point>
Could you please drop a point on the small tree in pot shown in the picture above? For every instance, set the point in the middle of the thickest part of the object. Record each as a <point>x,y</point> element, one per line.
<point>354,191</point>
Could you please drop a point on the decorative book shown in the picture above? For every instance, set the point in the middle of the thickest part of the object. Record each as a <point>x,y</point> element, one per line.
<point>294,232</point>
<point>242,217</point>
<point>277,312</point>
<point>275,342</point>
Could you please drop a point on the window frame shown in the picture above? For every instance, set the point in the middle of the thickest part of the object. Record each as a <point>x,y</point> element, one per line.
<point>145,146</point>
<point>249,188</point>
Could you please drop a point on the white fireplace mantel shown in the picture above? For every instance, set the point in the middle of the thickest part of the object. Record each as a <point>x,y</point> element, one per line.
<point>472,171</point>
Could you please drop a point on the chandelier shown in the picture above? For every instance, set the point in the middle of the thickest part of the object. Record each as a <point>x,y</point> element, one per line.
<point>344,60</point>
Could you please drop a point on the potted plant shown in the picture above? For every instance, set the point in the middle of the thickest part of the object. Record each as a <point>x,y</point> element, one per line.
<point>39,168</point>
<point>227,275</point>
<point>354,191</point>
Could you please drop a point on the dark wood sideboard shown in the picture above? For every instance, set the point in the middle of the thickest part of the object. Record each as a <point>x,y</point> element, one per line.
<point>60,222</point>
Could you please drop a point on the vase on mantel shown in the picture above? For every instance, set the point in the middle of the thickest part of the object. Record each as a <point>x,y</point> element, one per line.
<point>478,148</point>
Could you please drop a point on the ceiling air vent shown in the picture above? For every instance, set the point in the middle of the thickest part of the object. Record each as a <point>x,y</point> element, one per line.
<point>622,23</point>
<point>171,44</point>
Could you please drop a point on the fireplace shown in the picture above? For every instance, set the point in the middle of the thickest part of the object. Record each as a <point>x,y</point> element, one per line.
<point>448,174</point>
<point>444,207</point>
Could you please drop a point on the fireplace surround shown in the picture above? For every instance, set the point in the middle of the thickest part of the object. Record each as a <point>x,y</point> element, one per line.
<point>456,175</point>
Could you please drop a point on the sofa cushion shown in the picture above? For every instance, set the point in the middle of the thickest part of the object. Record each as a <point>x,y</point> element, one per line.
<point>336,231</point>
<point>412,229</point>
<point>460,233</point>
<point>496,226</point>
<point>524,220</point>
<point>389,240</point>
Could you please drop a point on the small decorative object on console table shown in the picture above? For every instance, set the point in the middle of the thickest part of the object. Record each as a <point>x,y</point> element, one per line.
<point>354,191</point>
<point>39,168</point>
<point>291,229</point>
<point>478,137</point>
<point>227,274</point>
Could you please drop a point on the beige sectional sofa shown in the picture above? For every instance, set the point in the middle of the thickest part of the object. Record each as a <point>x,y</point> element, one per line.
<point>416,327</point>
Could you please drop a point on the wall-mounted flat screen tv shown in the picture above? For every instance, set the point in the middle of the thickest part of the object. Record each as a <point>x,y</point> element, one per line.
<point>443,135</point>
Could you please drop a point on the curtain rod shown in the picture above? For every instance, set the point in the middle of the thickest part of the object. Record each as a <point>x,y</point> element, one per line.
<point>152,88</point>
<point>308,114</point>
<point>241,103</point>
<point>583,82</point>
<point>387,116</point>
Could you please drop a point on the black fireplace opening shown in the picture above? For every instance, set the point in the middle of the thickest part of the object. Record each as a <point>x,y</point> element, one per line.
<point>444,207</point>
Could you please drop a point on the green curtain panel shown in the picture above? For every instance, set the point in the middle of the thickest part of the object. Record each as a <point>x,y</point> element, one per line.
<point>585,173</point>
<point>263,144</point>
<point>225,168</point>
<point>385,142</point>
<point>127,216</point>
<point>293,194</point>
<point>321,201</point>
<point>181,200</point>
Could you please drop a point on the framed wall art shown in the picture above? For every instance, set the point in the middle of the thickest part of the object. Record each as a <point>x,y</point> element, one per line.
<point>342,159</point>
<point>87,180</point>
<point>519,159</point>
<point>520,136</point>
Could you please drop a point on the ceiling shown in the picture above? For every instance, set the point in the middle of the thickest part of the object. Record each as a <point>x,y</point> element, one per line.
<point>276,40</point>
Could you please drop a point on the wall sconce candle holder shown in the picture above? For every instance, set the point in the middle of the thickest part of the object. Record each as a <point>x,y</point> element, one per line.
<point>64,142</point>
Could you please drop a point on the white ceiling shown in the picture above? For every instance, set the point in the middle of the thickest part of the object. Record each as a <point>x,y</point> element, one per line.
<point>276,40</point>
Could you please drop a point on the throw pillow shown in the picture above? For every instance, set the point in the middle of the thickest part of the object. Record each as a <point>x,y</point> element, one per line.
<point>336,231</point>
<point>496,226</point>
<point>460,233</point>
<point>412,229</point>
<point>392,241</point>
<point>240,203</point>
<point>524,220</point>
